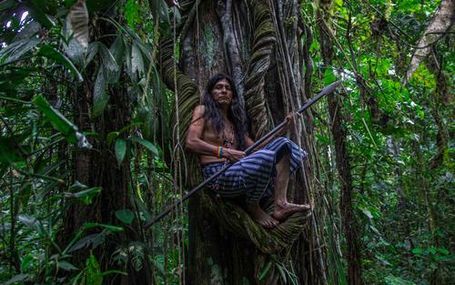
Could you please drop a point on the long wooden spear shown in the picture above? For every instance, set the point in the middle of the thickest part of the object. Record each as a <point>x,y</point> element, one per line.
<point>326,91</point>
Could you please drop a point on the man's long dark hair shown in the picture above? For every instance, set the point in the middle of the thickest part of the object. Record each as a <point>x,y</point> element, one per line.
<point>236,113</point>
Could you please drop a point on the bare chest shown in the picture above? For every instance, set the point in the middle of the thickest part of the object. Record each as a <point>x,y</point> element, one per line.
<point>226,138</point>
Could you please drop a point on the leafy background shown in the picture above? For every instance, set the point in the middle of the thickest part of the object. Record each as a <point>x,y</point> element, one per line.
<point>400,138</point>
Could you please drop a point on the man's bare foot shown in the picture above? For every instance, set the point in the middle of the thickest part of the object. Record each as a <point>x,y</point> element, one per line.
<point>285,209</point>
<point>262,217</point>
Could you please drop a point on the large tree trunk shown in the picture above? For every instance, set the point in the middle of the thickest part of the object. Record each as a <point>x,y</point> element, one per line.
<point>98,167</point>
<point>342,157</point>
<point>255,41</point>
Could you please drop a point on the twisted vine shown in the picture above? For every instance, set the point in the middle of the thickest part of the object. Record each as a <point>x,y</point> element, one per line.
<point>263,43</point>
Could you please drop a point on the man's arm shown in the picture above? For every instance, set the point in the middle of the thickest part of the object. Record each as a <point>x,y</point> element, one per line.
<point>194,140</point>
<point>248,141</point>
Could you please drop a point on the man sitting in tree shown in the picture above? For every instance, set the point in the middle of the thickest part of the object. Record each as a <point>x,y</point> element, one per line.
<point>218,135</point>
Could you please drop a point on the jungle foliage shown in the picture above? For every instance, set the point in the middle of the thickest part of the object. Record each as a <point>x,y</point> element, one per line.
<point>56,54</point>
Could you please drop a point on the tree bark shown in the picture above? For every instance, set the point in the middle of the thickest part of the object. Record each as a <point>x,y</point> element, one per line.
<point>98,167</point>
<point>215,256</point>
<point>253,48</point>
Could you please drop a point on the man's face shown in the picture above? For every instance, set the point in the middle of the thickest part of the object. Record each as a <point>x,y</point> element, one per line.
<point>222,92</point>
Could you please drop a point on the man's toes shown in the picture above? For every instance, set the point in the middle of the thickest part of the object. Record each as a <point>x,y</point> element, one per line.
<point>275,222</point>
<point>270,223</point>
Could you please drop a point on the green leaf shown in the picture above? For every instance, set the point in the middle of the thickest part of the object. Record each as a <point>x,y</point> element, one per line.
<point>146,50</point>
<point>150,146</point>
<point>382,259</point>
<point>125,215</point>
<point>159,10</point>
<point>443,251</point>
<point>137,62</point>
<point>117,49</point>
<point>7,4</point>
<point>393,280</point>
<point>77,186</point>
<point>10,78</point>
<point>120,150</point>
<point>78,20</point>
<point>110,66</point>
<point>367,213</point>
<point>17,279</point>
<point>159,266</point>
<point>65,265</point>
<point>85,196</point>
<point>32,223</point>
<point>111,136</point>
<point>329,76</point>
<point>145,214</point>
<point>91,52</point>
<point>93,274</point>
<point>76,32</point>
<point>128,61</point>
<point>91,239</point>
<point>28,30</point>
<point>176,12</point>
<point>105,273</point>
<point>100,96</point>
<point>49,52</point>
<point>17,49</point>
<point>36,12</point>
<point>417,251</point>
<point>27,262</point>
<point>58,121</point>
<point>110,228</point>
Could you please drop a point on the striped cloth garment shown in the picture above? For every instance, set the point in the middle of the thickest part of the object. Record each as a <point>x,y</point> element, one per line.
<point>253,175</point>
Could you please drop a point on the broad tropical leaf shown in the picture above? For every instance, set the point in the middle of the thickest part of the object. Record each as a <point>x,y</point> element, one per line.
<point>17,49</point>
<point>65,265</point>
<point>78,18</point>
<point>150,146</point>
<point>32,223</point>
<point>159,10</point>
<point>111,68</point>
<point>51,53</point>
<point>120,150</point>
<point>36,11</point>
<point>125,215</point>
<point>60,122</point>
<point>85,196</point>
<point>137,62</point>
<point>110,228</point>
<point>100,96</point>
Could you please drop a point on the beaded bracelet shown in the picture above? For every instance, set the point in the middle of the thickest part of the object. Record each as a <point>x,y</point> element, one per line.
<point>220,152</point>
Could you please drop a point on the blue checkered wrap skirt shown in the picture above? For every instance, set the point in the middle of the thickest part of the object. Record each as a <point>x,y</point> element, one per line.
<point>254,175</point>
